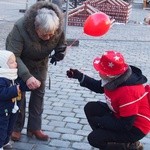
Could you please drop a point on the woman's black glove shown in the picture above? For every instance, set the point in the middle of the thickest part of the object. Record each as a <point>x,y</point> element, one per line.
<point>60,53</point>
<point>56,57</point>
<point>74,73</point>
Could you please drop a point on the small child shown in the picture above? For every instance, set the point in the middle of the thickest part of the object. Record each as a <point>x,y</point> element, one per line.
<point>125,117</point>
<point>10,94</point>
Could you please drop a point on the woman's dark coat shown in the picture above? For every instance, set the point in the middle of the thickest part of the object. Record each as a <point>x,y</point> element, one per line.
<point>32,53</point>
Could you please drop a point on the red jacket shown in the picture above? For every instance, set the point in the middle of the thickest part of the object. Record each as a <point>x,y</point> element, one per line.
<point>130,100</point>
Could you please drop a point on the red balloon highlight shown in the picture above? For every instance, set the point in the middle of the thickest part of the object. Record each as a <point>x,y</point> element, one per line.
<point>97,24</point>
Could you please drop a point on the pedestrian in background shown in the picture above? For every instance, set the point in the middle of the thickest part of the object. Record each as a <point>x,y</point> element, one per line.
<point>125,117</point>
<point>32,39</point>
<point>10,96</point>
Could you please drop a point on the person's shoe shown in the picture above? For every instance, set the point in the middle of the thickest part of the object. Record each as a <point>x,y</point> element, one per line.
<point>135,146</point>
<point>116,146</point>
<point>38,134</point>
<point>8,146</point>
<point>16,136</point>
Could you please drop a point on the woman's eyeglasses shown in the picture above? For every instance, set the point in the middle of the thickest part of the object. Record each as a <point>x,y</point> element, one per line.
<point>45,36</point>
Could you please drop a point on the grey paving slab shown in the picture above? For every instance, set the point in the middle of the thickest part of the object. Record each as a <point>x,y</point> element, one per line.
<point>63,117</point>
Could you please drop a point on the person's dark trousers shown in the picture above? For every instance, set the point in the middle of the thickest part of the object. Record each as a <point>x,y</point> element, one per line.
<point>35,104</point>
<point>99,137</point>
<point>19,124</point>
<point>93,109</point>
<point>6,127</point>
<point>36,108</point>
<point>35,111</point>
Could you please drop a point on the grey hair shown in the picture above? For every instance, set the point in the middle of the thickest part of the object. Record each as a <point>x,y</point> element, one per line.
<point>46,20</point>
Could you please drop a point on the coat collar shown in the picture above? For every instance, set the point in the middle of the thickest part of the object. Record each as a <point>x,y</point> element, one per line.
<point>118,81</point>
<point>133,76</point>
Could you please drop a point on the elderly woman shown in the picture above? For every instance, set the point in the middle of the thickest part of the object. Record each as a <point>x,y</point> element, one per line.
<point>32,40</point>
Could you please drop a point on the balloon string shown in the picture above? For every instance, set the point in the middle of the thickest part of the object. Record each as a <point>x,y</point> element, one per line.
<point>68,47</point>
<point>112,22</point>
<point>74,41</point>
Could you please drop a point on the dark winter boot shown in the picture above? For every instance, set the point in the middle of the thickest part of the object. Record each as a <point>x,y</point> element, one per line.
<point>135,146</point>
<point>115,146</point>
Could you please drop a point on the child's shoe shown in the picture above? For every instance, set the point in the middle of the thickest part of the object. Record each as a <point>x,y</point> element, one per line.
<point>7,146</point>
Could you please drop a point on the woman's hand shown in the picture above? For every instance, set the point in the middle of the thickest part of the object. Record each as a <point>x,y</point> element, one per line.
<point>33,83</point>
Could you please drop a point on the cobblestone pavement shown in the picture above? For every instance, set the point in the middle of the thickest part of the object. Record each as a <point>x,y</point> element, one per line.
<point>63,117</point>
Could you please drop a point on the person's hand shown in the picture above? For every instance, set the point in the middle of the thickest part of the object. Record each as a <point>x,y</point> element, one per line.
<point>74,73</point>
<point>59,54</point>
<point>56,57</point>
<point>53,60</point>
<point>33,83</point>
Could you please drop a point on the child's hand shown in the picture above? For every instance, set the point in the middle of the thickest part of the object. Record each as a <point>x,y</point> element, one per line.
<point>74,73</point>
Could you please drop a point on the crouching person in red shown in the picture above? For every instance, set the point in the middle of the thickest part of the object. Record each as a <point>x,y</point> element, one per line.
<point>125,117</point>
